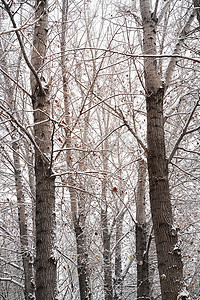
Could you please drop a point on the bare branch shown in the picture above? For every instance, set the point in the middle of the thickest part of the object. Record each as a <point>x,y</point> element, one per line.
<point>23,49</point>
<point>184,132</point>
<point>10,279</point>
<point>140,142</point>
<point>183,34</point>
<point>163,10</point>
<point>137,55</point>
<point>13,80</point>
<point>26,132</point>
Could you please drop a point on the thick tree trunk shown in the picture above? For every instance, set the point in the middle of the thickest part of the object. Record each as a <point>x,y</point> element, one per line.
<point>45,183</point>
<point>143,288</point>
<point>168,252</point>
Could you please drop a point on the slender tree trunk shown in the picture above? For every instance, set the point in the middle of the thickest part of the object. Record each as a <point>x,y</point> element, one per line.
<point>22,219</point>
<point>45,182</point>
<point>82,257</point>
<point>118,280</point>
<point>108,288</point>
<point>27,258</point>
<point>31,176</point>
<point>143,290</point>
<point>106,256</point>
<point>168,252</point>
<point>118,284</point>
<point>77,205</point>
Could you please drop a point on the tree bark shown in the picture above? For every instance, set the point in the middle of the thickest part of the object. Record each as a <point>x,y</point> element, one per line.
<point>143,286</point>
<point>82,257</point>
<point>45,183</point>
<point>168,251</point>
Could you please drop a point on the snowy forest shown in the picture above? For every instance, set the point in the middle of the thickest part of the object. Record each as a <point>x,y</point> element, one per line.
<point>99,149</point>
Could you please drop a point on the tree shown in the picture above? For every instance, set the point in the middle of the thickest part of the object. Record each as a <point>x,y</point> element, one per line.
<point>46,285</point>
<point>45,181</point>
<point>168,252</point>
<point>25,237</point>
<point>142,247</point>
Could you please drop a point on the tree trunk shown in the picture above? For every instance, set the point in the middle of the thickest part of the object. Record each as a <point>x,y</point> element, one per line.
<point>77,205</point>
<point>31,176</point>
<point>106,256</point>
<point>82,258</point>
<point>168,252</point>
<point>22,219</point>
<point>45,182</point>
<point>143,288</point>
<point>118,284</point>
<point>108,289</point>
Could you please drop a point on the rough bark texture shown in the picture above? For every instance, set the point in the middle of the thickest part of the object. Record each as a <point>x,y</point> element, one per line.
<point>168,252</point>
<point>143,288</point>
<point>45,183</point>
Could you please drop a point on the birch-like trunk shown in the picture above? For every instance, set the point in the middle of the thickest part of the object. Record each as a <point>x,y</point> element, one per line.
<point>168,252</point>
<point>45,262</point>
<point>143,290</point>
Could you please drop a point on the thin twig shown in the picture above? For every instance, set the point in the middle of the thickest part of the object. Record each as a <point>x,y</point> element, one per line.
<point>26,132</point>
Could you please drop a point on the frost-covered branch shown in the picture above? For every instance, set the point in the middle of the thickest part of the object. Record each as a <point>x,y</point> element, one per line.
<point>184,131</point>
<point>39,82</point>
<point>25,131</point>
<point>10,279</point>
<point>163,10</point>
<point>183,34</point>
